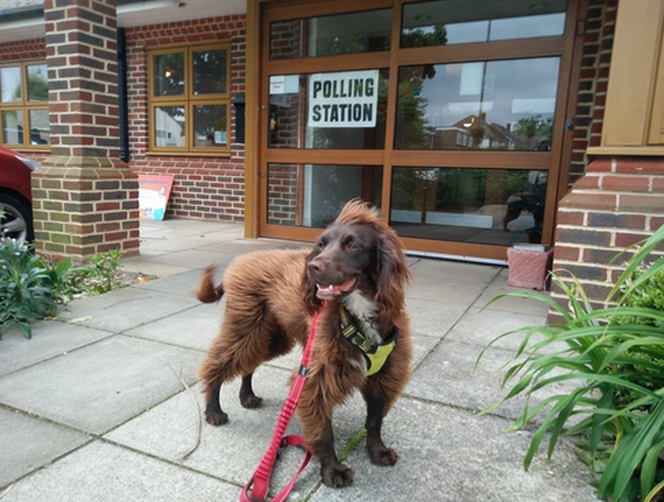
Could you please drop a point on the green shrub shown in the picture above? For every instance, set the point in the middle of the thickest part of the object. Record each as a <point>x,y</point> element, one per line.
<point>26,286</point>
<point>614,356</point>
<point>30,289</point>
<point>98,276</point>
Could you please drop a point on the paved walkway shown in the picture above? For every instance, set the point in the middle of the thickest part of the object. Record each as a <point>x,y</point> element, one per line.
<point>93,408</point>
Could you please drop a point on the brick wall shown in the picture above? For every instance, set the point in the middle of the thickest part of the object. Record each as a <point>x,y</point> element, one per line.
<point>619,202</point>
<point>204,187</point>
<point>23,50</point>
<point>597,44</point>
<point>283,187</point>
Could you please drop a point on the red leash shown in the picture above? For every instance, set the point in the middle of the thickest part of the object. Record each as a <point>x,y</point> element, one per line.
<point>259,483</point>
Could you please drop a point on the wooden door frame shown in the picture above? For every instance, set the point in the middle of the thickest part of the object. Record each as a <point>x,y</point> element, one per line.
<point>568,48</point>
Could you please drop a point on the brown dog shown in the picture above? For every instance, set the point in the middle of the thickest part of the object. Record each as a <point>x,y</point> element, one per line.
<point>355,276</point>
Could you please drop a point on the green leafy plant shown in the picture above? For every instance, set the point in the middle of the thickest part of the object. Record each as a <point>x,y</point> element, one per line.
<point>26,291</point>
<point>98,276</point>
<point>613,356</point>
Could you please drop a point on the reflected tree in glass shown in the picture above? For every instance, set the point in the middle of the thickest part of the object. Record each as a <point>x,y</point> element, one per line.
<point>37,83</point>
<point>421,38</point>
<point>412,130</point>
<point>537,129</point>
<point>210,72</point>
<point>10,79</point>
<point>169,74</point>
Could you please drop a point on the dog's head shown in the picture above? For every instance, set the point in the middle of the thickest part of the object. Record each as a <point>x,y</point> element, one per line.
<point>357,251</point>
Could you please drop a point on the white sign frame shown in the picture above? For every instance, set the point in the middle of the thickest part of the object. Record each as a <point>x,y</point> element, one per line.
<point>346,99</point>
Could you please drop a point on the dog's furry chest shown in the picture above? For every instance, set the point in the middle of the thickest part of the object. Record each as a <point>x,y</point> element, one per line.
<point>364,309</point>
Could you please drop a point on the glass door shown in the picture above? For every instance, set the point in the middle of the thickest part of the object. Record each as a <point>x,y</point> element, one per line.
<point>447,115</point>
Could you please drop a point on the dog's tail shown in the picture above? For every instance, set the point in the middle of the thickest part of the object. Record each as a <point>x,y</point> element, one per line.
<point>208,293</point>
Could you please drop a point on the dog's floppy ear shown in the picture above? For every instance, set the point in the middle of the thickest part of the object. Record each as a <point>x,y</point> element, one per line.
<point>392,276</point>
<point>311,302</point>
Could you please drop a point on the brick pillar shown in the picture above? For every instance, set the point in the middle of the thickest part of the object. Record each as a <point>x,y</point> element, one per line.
<point>617,203</point>
<point>597,47</point>
<point>85,197</point>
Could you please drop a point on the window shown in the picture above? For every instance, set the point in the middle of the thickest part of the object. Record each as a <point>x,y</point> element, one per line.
<point>348,33</point>
<point>451,22</point>
<point>24,105</point>
<point>495,105</point>
<point>331,110</point>
<point>189,99</point>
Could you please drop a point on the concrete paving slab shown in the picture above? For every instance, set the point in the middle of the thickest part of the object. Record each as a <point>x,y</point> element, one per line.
<point>509,303</point>
<point>199,257</point>
<point>125,308</point>
<point>432,268</point>
<point>183,284</point>
<point>242,246</point>
<point>194,328</point>
<point>231,452</point>
<point>433,317</point>
<point>143,266</point>
<point>448,376</point>
<point>450,455</point>
<point>28,443</point>
<point>108,473</point>
<point>481,327</point>
<point>102,385</point>
<point>438,280</point>
<point>49,339</point>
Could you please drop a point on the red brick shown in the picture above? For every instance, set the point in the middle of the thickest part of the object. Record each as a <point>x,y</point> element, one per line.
<point>648,204</point>
<point>590,200</point>
<point>640,166</point>
<point>624,240</point>
<point>566,253</point>
<point>565,217</point>
<point>625,183</point>
<point>602,165</point>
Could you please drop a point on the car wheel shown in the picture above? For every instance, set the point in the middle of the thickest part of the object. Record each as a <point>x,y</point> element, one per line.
<point>15,219</point>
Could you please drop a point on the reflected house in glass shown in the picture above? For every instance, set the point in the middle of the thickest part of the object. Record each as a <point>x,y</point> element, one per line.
<point>169,127</point>
<point>473,131</point>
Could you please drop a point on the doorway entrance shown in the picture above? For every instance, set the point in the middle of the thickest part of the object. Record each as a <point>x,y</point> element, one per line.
<point>449,116</point>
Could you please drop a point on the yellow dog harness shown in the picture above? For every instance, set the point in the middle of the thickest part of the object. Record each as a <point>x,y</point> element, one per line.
<point>375,354</point>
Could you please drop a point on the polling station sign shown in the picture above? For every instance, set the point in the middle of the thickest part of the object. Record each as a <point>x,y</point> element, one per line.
<point>344,99</point>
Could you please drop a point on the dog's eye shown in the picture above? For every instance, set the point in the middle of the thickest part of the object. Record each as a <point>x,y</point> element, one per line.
<point>351,246</point>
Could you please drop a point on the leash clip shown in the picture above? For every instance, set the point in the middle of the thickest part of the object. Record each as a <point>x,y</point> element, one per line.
<point>303,371</point>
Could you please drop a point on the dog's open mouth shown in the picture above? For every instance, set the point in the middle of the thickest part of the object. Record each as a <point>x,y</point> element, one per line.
<point>327,291</point>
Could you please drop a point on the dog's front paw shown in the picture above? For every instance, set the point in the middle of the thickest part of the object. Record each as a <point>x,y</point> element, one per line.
<point>382,456</point>
<point>216,417</point>
<point>251,401</point>
<point>337,477</point>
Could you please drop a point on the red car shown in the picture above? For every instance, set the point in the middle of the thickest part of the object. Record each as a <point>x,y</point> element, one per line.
<point>16,195</point>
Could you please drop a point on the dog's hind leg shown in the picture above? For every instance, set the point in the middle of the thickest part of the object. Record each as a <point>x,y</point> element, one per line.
<point>224,362</point>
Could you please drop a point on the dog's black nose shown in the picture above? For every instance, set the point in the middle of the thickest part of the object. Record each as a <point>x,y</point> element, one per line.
<point>315,266</point>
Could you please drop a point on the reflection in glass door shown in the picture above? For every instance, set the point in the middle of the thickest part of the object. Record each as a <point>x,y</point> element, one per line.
<point>483,105</point>
<point>497,207</point>
<point>462,152</point>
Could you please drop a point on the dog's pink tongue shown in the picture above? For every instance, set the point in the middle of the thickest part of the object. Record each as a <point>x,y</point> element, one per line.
<point>335,289</point>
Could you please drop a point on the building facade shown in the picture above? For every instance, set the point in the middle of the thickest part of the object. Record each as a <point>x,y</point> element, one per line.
<point>472,126</point>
